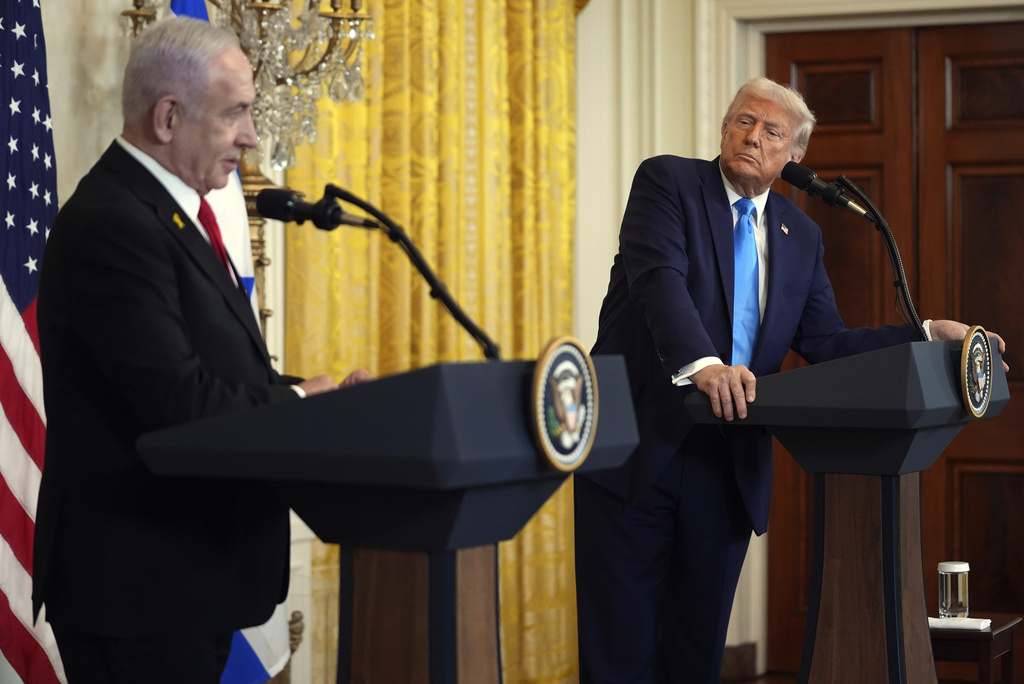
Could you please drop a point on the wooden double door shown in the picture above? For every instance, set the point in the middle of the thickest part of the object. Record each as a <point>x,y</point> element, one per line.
<point>929,123</point>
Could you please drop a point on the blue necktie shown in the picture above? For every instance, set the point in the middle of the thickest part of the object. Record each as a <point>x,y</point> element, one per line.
<point>746,316</point>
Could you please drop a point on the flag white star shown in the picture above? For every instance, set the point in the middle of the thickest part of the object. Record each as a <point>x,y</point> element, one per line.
<point>34,189</point>
<point>15,106</point>
<point>31,265</point>
<point>13,145</point>
<point>35,152</point>
<point>33,226</point>
<point>10,220</point>
<point>19,30</point>
<point>46,197</point>
<point>35,76</point>
<point>11,183</point>
<point>18,70</point>
<point>47,161</point>
<point>48,123</point>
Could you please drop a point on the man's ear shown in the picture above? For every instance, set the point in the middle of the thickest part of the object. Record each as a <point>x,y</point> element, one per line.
<point>167,116</point>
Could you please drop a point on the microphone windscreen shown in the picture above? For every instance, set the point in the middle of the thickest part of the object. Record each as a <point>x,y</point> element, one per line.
<point>276,203</point>
<point>797,175</point>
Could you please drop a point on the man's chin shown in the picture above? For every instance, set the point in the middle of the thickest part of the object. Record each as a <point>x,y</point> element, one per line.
<point>220,182</point>
<point>741,171</point>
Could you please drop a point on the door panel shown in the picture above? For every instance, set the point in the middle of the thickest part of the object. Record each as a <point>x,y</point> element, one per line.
<point>971,170</point>
<point>858,85</point>
<point>929,123</point>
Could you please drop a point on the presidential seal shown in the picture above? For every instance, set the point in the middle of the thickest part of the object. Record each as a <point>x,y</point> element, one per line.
<point>976,371</point>
<point>564,403</point>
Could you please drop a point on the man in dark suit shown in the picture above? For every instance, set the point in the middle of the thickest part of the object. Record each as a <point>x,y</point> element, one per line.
<point>661,540</point>
<point>143,326</point>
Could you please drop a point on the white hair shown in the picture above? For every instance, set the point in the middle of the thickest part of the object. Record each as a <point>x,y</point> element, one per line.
<point>171,57</point>
<point>785,96</point>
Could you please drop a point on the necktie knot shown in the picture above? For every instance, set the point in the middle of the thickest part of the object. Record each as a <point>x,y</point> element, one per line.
<point>745,209</point>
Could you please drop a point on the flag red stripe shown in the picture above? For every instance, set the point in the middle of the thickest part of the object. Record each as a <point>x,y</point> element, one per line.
<point>21,649</point>
<point>29,318</point>
<point>21,413</point>
<point>16,527</point>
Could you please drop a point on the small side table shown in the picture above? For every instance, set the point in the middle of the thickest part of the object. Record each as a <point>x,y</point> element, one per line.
<point>978,646</point>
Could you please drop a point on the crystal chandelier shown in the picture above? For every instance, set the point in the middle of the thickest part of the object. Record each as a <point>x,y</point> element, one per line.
<point>297,51</point>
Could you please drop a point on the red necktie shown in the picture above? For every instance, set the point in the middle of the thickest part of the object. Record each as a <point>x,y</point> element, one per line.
<point>209,222</point>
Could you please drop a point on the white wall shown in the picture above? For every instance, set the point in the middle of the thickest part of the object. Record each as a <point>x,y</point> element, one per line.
<point>86,53</point>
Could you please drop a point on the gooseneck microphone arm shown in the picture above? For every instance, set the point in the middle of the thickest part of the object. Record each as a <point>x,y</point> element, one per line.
<point>899,275</point>
<point>832,194</point>
<point>438,290</point>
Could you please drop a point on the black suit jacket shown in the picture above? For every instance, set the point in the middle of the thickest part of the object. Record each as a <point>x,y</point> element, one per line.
<point>669,303</point>
<point>140,328</point>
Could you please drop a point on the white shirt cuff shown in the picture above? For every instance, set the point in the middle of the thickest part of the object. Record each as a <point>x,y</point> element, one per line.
<point>682,376</point>
<point>298,390</point>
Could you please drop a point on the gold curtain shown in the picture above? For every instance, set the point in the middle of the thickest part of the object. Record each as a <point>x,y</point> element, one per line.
<point>466,138</point>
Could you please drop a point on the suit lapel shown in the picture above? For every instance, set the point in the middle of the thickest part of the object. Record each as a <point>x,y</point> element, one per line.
<point>779,253</point>
<point>719,217</point>
<point>188,235</point>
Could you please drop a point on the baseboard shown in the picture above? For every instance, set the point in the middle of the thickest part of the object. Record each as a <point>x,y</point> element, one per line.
<point>740,662</point>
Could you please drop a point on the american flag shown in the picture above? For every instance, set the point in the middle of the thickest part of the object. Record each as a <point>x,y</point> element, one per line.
<point>28,203</point>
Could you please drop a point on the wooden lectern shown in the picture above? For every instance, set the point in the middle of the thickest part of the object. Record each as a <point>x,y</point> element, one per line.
<point>438,464</point>
<point>866,426</point>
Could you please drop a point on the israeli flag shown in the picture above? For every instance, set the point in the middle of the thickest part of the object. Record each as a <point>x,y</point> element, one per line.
<point>257,653</point>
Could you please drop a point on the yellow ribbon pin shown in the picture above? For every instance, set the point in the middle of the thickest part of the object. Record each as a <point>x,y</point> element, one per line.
<point>178,221</point>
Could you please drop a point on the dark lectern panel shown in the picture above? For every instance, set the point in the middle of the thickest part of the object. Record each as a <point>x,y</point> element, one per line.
<point>447,426</point>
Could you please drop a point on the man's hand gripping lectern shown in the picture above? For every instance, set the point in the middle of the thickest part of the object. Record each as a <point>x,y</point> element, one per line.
<point>434,466</point>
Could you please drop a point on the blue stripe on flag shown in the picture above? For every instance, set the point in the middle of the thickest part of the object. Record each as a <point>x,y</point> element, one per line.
<point>248,283</point>
<point>244,666</point>
<point>190,8</point>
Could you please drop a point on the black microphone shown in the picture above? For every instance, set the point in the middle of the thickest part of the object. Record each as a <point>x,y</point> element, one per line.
<point>831,194</point>
<point>282,204</point>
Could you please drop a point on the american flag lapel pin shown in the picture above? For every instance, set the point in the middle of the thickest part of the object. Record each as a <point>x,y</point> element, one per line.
<point>785,229</point>
<point>181,224</point>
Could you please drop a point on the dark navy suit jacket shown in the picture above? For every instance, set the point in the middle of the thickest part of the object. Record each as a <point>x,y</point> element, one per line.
<point>140,328</point>
<point>669,303</point>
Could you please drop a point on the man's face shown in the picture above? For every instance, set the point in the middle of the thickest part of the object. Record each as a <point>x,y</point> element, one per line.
<point>206,147</point>
<point>756,144</point>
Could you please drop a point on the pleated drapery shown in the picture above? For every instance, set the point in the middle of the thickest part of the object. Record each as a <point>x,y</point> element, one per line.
<point>466,138</point>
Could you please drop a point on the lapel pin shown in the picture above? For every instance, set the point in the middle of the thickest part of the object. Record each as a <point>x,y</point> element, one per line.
<point>785,229</point>
<point>178,222</point>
